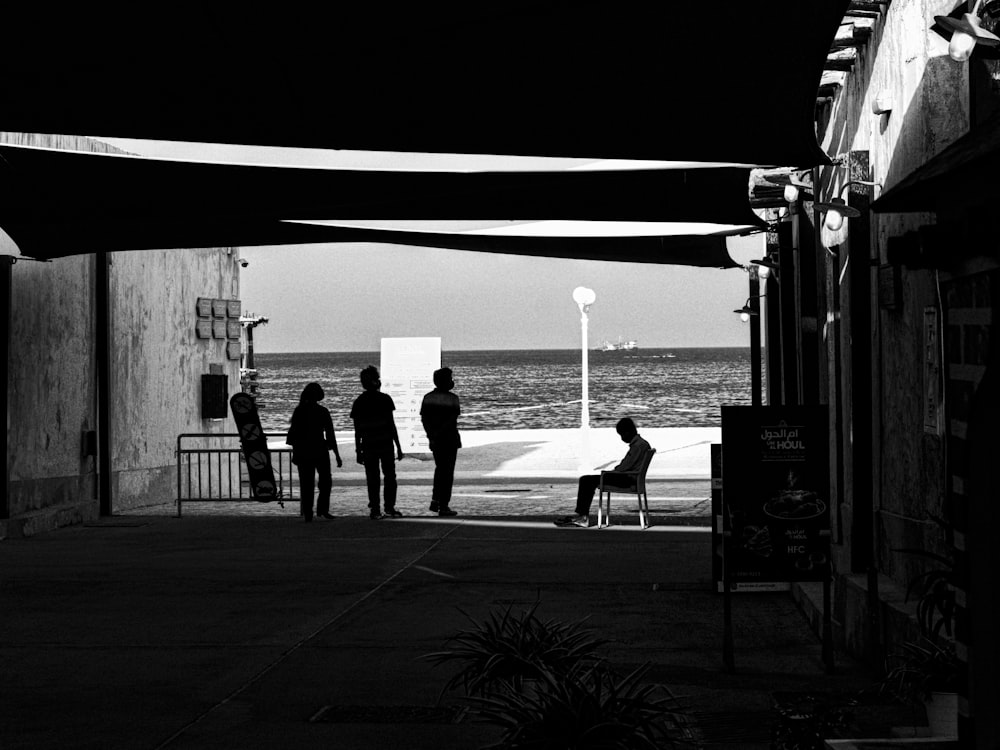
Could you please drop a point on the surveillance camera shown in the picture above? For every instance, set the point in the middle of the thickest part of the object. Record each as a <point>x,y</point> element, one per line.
<point>244,262</point>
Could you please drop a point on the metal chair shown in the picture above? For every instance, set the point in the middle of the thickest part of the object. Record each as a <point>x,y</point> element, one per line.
<point>636,487</point>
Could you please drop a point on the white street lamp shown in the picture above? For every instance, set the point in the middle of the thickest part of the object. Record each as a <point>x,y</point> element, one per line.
<point>584,298</point>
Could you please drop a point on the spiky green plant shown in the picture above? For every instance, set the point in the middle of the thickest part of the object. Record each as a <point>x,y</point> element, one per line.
<point>935,597</point>
<point>916,670</point>
<point>510,648</point>
<point>932,589</point>
<point>588,708</point>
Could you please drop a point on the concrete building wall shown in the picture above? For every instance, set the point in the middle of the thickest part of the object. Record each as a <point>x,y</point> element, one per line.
<point>159,360</point>
<point>51,392</point>
<point>156,366</point>
<point>906,66</point>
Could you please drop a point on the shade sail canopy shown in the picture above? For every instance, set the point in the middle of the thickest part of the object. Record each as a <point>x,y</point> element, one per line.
<point>708,251</point>
<point>643,81</point>
<point>71,183</point>
<point>733,82</point>
<point>57,203</point>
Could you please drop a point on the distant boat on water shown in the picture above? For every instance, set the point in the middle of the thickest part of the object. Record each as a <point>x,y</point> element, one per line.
<point>622,346</point>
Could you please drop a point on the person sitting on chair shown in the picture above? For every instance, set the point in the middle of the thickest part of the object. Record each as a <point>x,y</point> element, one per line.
<point>618,477</point>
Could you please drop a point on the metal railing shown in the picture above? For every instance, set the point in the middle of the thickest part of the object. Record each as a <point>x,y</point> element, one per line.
<point>211,466</point>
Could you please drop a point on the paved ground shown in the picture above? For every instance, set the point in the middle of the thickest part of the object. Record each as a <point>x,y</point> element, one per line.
<point>557,455</point>
<point>237,625</point>
<point>233,630</point>
<point>686,501</point>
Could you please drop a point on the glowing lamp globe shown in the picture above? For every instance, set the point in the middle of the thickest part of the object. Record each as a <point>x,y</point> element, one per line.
<point>961,45</point>
<point>584,296</point>
<point>834,220</point>
<point>966,33</point>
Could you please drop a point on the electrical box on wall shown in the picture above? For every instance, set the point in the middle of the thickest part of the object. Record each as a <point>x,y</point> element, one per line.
<point>214,396</point>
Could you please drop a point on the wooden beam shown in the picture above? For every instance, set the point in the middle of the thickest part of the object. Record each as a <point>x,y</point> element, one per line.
<point>841,60</point>
<point>832,79</point>
<point>863,27</point>
<point>763,194</point>
<point>776,201</point>
<point>853,34</point>
<point>844,36</point>
<point>868,6</point>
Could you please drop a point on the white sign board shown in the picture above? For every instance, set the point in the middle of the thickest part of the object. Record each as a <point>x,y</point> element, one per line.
<point>407,370</point>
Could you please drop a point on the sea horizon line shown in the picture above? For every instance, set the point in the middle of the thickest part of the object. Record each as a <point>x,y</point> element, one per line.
<point>257,350</point>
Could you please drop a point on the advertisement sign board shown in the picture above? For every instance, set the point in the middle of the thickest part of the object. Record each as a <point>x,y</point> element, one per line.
<point>407,370</point>
<point>776,505</point>
<point>715,453</point>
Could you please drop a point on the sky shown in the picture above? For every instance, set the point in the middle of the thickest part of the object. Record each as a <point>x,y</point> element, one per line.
<point>346,297</point>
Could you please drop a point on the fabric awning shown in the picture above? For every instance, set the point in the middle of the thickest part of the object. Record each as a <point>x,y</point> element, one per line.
<point>76,184</point>
<point>642,81</point>
<point>81,237</point>
<point>734,82</point>
<point>56,203</point>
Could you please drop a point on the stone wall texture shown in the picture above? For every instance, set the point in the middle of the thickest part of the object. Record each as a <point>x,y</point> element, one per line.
<point>156,366</point>
<point>906,64</point>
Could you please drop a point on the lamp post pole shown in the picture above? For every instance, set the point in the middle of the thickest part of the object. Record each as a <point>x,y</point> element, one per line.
<point>585,397</point>
<point>755,370</point>
<point>584,298</point>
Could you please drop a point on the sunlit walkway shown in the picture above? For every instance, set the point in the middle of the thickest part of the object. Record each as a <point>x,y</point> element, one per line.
<point>687,502</point>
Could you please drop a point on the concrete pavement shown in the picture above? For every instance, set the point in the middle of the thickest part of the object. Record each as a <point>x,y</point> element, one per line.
<point>682,453</point>
<point>228,630</point>
<point>239,626</point>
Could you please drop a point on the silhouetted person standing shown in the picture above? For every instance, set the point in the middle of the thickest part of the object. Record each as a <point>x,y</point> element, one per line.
<point>439,413</point>
<point>588,484</point>
<point>311,436</point>
<point>374,436</point>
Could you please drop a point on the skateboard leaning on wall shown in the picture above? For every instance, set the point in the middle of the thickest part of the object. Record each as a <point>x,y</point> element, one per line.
<point>253,441</point>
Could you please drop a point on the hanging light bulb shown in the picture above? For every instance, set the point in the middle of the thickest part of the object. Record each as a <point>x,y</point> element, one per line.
<point>764,267</point>
<point>961,45</point>
<point>792,182</point>
<point>966,33</point>
<point>745,312</point>
<point>837,210</point>
<point>834,218</point>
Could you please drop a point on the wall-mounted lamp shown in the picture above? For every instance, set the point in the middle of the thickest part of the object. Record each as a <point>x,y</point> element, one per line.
<point>966,33</point>
<point>746,312</point>
<point>882,104</point>
<point>765,266</point>
<point>837,210</point>
<point>793,184</point>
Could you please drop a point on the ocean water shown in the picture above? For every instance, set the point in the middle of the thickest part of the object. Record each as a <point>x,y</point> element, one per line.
<point>533,389</point>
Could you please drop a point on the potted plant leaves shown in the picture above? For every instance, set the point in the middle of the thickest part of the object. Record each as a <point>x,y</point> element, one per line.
<point>933,589</point>
<point>925,674</point>
<point>589,708</point>
<point>543,683</point>
<point>513,648</point>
